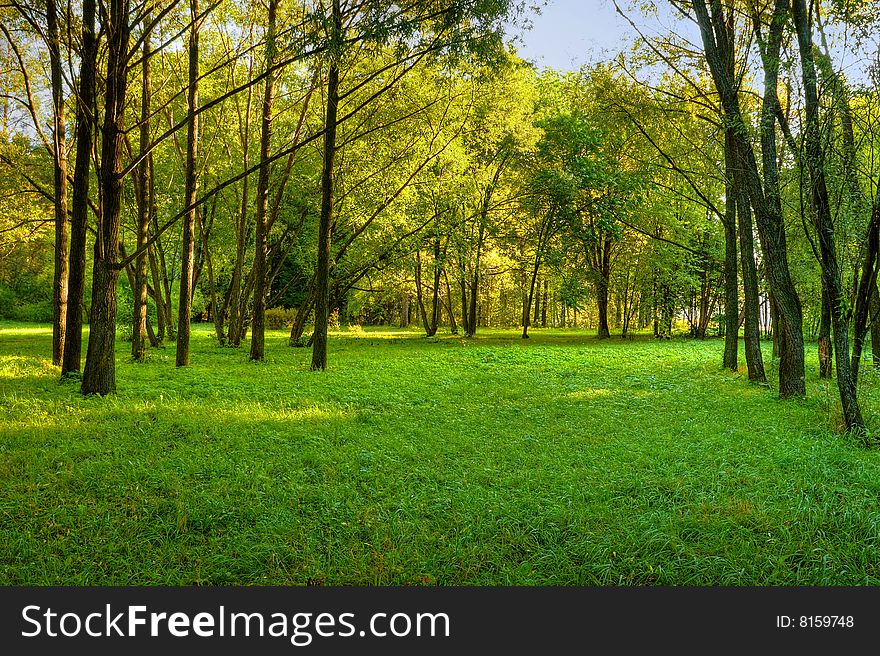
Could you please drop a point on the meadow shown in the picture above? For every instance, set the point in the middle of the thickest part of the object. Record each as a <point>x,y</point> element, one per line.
<point>560,460</point>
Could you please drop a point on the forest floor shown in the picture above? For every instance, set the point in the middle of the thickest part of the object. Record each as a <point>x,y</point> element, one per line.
<point>560,460</point>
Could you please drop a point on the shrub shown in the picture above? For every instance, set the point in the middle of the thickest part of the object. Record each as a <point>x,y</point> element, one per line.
<point>279,318</point>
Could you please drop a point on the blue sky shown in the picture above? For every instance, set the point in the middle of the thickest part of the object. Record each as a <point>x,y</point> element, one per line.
<point>570,33</point>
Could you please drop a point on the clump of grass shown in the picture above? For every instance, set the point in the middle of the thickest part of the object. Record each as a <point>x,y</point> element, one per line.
<point>493,461</point>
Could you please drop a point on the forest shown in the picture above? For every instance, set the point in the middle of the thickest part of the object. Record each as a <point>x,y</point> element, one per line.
<point>349,291</point>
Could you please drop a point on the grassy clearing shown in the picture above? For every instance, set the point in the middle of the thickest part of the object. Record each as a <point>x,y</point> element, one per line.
<point>560,460</point>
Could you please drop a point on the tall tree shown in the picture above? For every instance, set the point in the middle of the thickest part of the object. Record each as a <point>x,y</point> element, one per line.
<point>144,191</point>
<point>184,307</point>
<point>815,159</point>
<point>85,125</point>
<point>258,322</point>
<point>99,375</point>
<point>763,194</point>
<point>60,280</point>
<point>335,37</point>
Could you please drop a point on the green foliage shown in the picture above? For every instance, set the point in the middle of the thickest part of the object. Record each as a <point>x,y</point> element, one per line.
<point>559,461</point>
<point>279,318</point>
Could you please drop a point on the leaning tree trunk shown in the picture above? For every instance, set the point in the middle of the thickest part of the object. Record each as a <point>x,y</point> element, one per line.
<point>72,357</point>
<point>187,255</point>
<point>825,224</point>
<point>765,199</point>
<point>99,375</point>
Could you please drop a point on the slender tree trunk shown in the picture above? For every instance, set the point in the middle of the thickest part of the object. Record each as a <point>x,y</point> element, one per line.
<point>453,325</point>
<point>604,272</point>
<point>435,290</point>
<point>465,316</point>
<point>420,300</point>
<point>157,296</point>
<point>99,375</point>
<point>235,300</point>
<point>72,356</point>
<point>765,199</point>
<point>875,326</point>
<point>60,280</point>
<point>139,289</point>
<point>164,288</point>
<point>325,228</point>
<point>544,305</point>
<point>825,348</point>
<point>532,285</point>
<point>473,301</point>
<point>217,312</point>
<point>751,299</point>
<point>731,280</point>
<point>846,380</point>
<point>187,255</point>
<point>258,320</point>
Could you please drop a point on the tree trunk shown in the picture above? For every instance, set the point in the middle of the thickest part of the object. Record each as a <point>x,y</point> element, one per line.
<point>302,314</point>
<point>325,228</point>
<point>453,325</point>
<point>435,290</point>
<point>420,300</point>
<point>544,305</point>
<point>184,306</point>
<point>751,300</point>
<point>99,375</point>
<point>602,303</point>
<point>846,381</point>
<point>465,316</point>
<point>875,326</point>
<point>764,198</point>
<point>825,349</point>
<point>217,312</point>
<point>60,280</point>
<point>85,107</point>
<point>163,286</point>
<point>532,285</point>
<point>139,289</point>
<point>258,320</point>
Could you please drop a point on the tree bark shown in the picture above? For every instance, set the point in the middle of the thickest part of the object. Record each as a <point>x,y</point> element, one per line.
<point>325,228</point>
<point>751,300</point>
<point>825,349</point>
<point>139,290</point>
<point>60,280</point>
<point>764,198</point>
<point>604,272</point>
<point>72,356</point>
<point>544,305</point>
<point>258,320</point>
<point>99,375</point>
<point>846,383</point>
<point>187,255</point>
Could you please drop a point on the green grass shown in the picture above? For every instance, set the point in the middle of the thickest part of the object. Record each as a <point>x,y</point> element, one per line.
<point>560,460</point>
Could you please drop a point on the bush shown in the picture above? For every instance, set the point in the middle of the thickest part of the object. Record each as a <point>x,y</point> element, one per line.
<point>279,318</point>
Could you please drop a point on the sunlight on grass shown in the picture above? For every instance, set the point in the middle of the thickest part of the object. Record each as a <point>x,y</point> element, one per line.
<point>590,394</point>
<point>495,461</point>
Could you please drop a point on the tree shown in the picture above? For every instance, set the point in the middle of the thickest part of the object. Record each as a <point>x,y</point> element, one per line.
<point>763,193</point>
